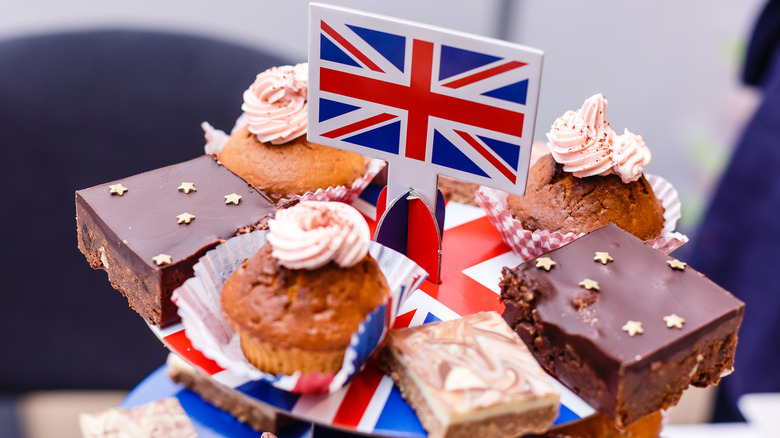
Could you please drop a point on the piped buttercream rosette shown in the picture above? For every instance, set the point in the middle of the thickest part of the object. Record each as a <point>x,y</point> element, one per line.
<point>198,300</point>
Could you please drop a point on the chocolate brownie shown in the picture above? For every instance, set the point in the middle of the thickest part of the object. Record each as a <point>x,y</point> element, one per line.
<point>252,412</point>
<point>624,326</point>
<point>148,231</point>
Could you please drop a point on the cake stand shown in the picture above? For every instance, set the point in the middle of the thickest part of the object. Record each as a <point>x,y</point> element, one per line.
<point>473,255</point>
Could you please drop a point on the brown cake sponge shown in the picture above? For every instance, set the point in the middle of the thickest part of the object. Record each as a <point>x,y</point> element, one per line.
<point>558,201</point>
<point>293,168</point>
<point>299,320</point>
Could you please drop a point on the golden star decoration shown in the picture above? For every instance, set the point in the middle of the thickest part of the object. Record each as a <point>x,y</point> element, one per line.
<point>674,320</point>
<point>545,263</point>
<point>117,189</point>
<point>603,257</point>
<point>676,264</point>
<point>185,218</point>
<point>187,187</point>
<point>162,259</point>
<point>590,284</point>
<point>233,198</point>
<point>633,328</point>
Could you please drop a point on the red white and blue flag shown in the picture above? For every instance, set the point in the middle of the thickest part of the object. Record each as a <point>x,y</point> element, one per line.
<point>435,101</point>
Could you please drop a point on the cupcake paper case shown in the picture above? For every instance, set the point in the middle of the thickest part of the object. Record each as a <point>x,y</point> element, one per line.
<point>529,244</point>
<point>206,327</point>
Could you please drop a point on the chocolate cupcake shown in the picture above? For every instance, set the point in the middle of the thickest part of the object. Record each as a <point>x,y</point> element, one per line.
<point>296,303</point>
<point>592,178</point>
<point>268,146</point>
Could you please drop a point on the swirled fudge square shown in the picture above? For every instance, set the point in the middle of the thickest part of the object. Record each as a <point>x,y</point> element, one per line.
<point>148,231</point>
<point>470,377</point>
<point>624,326</point>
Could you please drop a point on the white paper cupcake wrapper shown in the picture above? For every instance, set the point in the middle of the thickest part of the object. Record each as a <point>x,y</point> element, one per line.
<point>198,300</point>
<point>529,244</point>
<point>216,139</point>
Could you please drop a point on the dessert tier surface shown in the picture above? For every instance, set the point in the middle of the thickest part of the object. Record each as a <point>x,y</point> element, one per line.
<point>473,255</point>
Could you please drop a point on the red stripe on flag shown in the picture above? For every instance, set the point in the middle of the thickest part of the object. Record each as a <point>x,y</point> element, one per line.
<point>420,84</point>
<point>476,77</point>
<point>181,345</point>
<point>427,103</point>
<point>358,396</point>
<point>403,321</point>
<point>349,47</point>
<point>463,247</point>
<point>488,156</point>
<point>344,130</point>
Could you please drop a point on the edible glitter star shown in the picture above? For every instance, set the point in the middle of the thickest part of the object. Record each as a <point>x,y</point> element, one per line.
<point>233,198</point>
<point>185,218</point>
<point>117,189</point>
<point>674,321</point>
<point>633,328</point>
<point>676,264</point>
<point>590,284</point>
<point>187,187</point>
<point>162,259</point>
<point>603,257</point>
<point>545,263</point>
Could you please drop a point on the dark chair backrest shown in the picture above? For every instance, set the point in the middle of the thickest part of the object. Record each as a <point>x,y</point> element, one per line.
<point>77,110</point>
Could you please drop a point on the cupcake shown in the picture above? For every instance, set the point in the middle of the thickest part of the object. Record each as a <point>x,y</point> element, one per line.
<point>268,146</point>
<point>592,177</point>
<point>589,177</point>
<point>296,303</point>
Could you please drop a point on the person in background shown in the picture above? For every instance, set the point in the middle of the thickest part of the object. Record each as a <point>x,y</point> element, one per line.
<point>738,242</point>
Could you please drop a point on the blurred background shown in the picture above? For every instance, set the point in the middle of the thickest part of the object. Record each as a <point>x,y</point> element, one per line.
<point>669,69</point>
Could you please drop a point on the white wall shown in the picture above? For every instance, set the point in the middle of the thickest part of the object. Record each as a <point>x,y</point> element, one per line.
<point>278,25</point>
<point>669,68</point>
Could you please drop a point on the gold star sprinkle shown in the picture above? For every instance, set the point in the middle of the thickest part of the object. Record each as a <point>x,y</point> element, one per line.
<point>590,284</point>
<point>633,328</point>
<point>676,264</point>
<point>117,189</point>
<point>185,218</point>
<point>545,263</point>
<point>233,198</point>
<point>603,257</point>
<point>674,321</point>
<point>162,259</point>
<point>187,187</point>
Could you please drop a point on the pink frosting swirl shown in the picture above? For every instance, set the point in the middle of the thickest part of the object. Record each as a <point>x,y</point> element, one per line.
<point>630,155</point>
<point>311,234</point>
<point>276,104</point>
<point>586,145</point>
<point>581,149</point>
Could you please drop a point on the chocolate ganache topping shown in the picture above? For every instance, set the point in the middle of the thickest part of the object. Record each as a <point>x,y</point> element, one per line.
<point>144,219</point>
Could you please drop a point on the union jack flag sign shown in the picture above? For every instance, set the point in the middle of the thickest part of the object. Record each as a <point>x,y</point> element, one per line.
<point>429,101</point>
